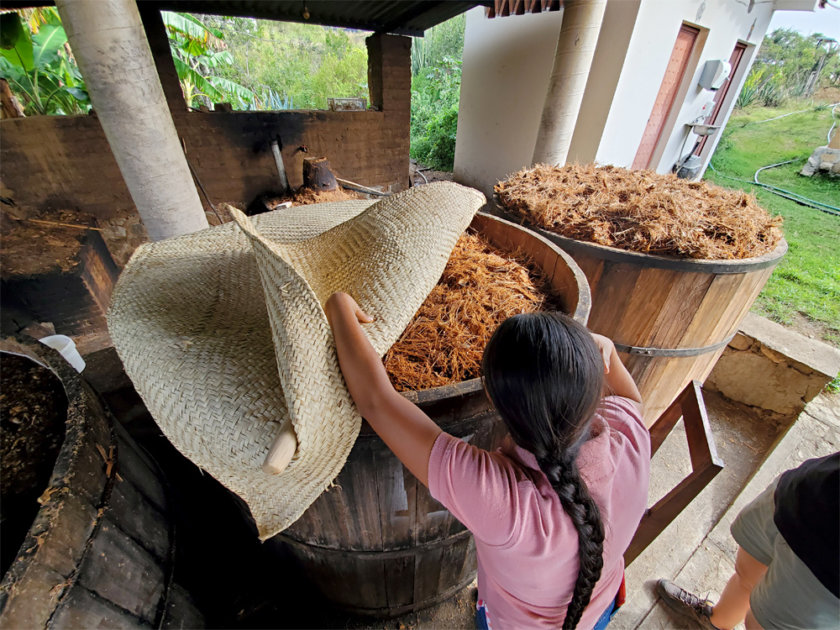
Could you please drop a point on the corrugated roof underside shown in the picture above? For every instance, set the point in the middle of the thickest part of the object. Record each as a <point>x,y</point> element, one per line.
<point>405,17</point>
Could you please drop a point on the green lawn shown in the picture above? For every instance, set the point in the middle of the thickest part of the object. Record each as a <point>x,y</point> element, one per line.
<point>804,290</point>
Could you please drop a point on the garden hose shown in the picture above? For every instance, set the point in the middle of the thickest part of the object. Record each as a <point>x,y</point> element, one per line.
<point>791,196</point>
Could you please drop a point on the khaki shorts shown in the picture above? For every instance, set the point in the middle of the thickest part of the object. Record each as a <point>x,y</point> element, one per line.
<point>789,596</point>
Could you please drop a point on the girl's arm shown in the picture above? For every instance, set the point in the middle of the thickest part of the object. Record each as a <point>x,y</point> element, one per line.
<point>407,431</point>
<point>617,381</point>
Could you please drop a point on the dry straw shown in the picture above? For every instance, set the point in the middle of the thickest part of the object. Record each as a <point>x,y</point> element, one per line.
<point>641,211</point>
<point>224,335</point>
<point>479,289</point>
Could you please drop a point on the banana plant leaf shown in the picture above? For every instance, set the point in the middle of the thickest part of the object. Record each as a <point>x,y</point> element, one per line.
<point>189,26</point>
<point>48,41</point>
<point>216,59</point>
<point>15,44</point>
<point>185,73</point>
<point>230,87</point>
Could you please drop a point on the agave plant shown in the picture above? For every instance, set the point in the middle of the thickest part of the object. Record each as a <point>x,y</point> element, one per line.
<point>269,100</point>
<point>39,66</point>
<point>197,50</point>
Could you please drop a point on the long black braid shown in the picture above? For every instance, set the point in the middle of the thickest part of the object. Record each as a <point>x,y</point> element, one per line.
<point>544,374</point>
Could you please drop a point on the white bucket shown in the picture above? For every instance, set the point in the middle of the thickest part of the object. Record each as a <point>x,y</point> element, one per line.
<point>67,348</point>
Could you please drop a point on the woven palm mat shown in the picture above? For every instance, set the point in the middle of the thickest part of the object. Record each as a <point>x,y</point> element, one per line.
<point>224,335</point>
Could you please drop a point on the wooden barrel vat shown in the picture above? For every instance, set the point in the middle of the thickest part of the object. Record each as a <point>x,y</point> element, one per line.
<point>670,318</point>
<point>377,543</point>
<point>100,551</point>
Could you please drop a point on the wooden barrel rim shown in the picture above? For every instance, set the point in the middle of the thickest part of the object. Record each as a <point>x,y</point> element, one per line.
<point>84,414</point>
<point>581,314</point>
<point>73,440</point>
<point>614,254</point>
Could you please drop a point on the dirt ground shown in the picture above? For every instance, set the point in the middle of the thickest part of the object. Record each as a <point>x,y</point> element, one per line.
<point>421,174</point>
<point>809,328</point>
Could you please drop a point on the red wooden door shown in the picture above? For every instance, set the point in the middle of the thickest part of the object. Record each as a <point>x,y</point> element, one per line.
<point>667,92</point>
<point>720,95</point>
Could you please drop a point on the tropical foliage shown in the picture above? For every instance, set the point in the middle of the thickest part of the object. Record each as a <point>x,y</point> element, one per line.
<point>199,54</point>
<point>293,65</point>
<point>435,93</point>
<point>790,65</point>
<point>38,64</point>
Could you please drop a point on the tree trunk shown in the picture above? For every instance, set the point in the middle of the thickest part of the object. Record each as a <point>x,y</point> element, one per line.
<point>110,46</point>
<point>317,174</point>
<point>10,106</point>
<point>572,62</point>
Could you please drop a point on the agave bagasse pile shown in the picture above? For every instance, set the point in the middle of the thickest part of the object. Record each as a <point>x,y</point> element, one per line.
<point>641,211</point>
<point>479,289</point>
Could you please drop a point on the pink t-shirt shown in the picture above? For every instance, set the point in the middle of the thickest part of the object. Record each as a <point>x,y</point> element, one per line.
<point>526,544</point>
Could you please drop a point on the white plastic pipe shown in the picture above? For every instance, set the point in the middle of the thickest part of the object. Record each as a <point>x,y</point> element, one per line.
<point>281,169</point>
<point>110,46</point>
<point>572,63</point>
<point>67,348</point>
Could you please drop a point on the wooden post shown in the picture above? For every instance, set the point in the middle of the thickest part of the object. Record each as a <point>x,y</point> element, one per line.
<point>110,46</point>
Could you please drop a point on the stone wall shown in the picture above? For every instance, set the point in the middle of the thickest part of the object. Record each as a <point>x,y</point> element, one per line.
<point>772,368</point>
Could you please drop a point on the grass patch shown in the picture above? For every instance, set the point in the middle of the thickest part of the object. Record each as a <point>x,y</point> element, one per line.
<point>807,281</point>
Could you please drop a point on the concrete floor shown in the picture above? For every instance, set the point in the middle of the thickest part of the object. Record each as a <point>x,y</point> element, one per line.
<point>696,550</point>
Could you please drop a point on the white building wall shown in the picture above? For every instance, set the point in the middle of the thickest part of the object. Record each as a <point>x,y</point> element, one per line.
<point>610,53</point>
<point>722,24</point>
<point>507,63</point>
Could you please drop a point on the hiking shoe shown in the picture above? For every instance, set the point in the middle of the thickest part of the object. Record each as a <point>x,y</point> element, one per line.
<point>686,604</point>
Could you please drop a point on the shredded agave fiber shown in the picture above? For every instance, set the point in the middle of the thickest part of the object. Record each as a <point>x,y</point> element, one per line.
<point>641,211</point>
<point>479,289</point>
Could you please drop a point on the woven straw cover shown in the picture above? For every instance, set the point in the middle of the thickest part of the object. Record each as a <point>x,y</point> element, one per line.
<point>224,336</point>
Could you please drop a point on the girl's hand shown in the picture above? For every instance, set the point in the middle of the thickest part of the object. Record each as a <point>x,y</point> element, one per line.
<point>617,381</point>
<point>606,346</point>
<point>344,301</point>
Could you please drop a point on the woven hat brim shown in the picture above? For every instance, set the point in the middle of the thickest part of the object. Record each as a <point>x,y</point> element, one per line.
<point>224,335</point>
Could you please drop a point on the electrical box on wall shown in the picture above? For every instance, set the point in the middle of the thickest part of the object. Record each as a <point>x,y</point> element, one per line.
<point>715,73</point>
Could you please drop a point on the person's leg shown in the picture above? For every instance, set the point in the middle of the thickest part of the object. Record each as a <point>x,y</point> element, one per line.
<point>734,602</point>
<point>755,534</point>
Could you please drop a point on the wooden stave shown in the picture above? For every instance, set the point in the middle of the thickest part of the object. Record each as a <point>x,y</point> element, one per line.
<point>56,580</point>
<point>724,280</point>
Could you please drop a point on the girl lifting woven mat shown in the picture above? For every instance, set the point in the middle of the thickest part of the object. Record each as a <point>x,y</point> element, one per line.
<point>224,335</point>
